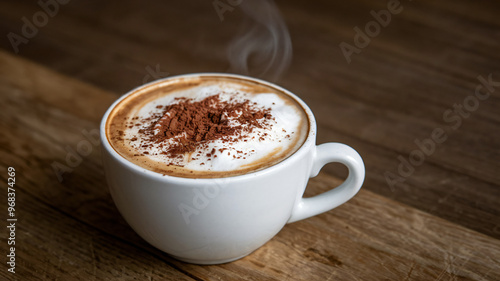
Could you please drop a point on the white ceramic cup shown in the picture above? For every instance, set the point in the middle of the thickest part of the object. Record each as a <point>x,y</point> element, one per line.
<point>211,221</point>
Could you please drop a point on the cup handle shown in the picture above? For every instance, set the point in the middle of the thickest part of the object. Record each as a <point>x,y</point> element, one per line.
<point>323,154</point>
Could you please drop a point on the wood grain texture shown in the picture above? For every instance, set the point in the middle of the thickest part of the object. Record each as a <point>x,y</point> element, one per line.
<point>441,223</point>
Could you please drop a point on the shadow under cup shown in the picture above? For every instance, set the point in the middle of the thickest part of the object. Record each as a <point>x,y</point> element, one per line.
<point>217,220</point>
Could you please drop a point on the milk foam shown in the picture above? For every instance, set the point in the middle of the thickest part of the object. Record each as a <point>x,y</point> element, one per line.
<point>251,148</point>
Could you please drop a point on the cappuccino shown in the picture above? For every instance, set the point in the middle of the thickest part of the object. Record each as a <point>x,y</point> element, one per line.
<point>206,126</point>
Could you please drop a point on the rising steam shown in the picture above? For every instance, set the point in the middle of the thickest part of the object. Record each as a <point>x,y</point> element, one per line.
<point>263,47</point>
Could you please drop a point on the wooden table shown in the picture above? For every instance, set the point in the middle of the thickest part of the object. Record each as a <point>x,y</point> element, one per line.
<point>437,218</point>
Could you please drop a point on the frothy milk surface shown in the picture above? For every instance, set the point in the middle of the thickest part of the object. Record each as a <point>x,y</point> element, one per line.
<point>239,126</point>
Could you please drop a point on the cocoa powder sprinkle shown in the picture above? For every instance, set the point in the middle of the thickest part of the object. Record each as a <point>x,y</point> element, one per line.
<point>191,124</point>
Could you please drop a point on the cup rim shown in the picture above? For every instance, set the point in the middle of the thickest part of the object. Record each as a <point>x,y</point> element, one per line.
<point>309,141</point>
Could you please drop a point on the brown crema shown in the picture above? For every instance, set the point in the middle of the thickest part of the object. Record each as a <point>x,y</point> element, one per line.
<point>190,123</point>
